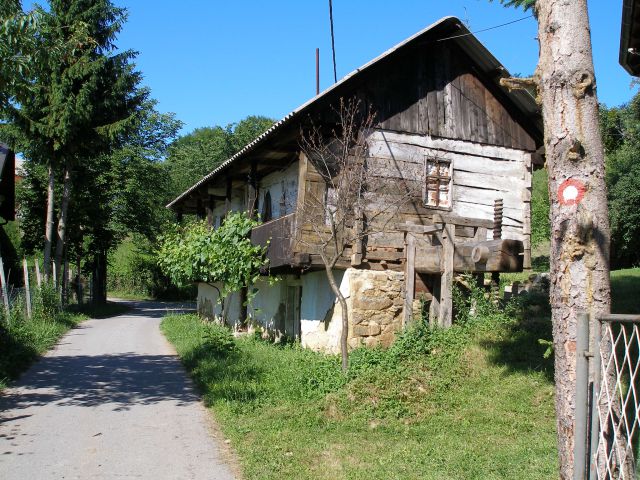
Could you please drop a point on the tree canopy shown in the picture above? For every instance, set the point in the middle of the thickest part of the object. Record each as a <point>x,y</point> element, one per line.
<point>194,155</point>
<point>621,137</point>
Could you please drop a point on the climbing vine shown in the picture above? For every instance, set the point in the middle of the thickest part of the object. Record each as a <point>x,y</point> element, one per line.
<point>197,253</point>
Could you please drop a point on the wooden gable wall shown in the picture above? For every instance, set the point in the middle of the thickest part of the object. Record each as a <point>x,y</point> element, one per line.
<point>438,92</point>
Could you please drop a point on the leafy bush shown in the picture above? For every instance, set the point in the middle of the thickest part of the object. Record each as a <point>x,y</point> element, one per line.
<point>134,270</point>
<point>197,253</point>
<point>540,225</point>
<point>218,339</point>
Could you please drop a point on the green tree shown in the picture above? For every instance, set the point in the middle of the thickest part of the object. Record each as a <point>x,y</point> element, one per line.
<point>196,154</point>
<point>621,137</point>
<point>84,99</point>
<point>122,193</point>
<point>247,130</point>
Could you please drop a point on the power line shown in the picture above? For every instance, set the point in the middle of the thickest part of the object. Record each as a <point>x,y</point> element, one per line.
<point>333,45</point>
<point>485,29</point>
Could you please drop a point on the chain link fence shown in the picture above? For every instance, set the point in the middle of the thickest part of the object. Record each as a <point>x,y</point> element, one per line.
<point>608,398</point>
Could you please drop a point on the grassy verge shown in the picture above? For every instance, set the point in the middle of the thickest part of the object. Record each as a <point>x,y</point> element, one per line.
<point>473,402</point>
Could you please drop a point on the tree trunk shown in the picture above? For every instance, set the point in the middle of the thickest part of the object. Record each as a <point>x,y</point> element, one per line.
<point>62,221</point>
<point>579,217</point>
<point>344,336</point>
<point>99,284</point>
<point>48,234</point>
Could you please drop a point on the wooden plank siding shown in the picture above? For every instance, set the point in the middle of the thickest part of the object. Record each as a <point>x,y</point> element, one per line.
<point>438,93</point>
<point>481,174</point>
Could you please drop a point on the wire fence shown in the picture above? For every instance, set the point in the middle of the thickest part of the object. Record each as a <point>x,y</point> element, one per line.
<point>607,433</point>
<point>617,404</point>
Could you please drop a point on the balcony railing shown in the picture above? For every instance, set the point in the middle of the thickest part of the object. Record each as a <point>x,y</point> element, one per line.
<point>280,234</point>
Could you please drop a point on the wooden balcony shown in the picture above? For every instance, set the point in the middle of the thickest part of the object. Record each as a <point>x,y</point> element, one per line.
<point>280,233</point>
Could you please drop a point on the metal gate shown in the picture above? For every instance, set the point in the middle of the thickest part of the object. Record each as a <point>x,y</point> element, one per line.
<point>608,398</point>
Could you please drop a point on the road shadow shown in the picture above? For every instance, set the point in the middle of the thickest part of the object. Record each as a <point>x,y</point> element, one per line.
<point>119,380</point>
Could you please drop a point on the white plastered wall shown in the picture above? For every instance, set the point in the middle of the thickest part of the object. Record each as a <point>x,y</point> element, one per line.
<point>276,183</point>
<point>209,305</point>
<point>321,315</point>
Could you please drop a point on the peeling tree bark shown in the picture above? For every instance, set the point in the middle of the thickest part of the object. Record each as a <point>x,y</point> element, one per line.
<point>62,221</point>
<point>579,216</point>
<point>48,234</point>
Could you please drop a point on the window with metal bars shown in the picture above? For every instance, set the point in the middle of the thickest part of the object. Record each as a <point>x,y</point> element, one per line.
<point>438,183</point>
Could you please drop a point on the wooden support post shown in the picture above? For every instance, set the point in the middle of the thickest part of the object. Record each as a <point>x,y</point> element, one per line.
<point>227,198</point>
<point>526,226</point>
<point>200,211</point>
<point>410,277</point>
<point>252,200</point>
<point>38,276</point>
<point>3,286</point>
<point>434,308</point>
<point>27,287</point>
<point>211,204</point>
<point>445,316</point>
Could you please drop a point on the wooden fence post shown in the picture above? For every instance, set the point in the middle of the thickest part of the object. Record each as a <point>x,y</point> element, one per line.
<point>38,276</point>
<point>55,276</point>
<point>27,289</point>
<point>3,286</point>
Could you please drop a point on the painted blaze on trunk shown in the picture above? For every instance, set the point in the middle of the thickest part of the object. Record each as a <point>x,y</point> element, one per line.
<point>579,217</point>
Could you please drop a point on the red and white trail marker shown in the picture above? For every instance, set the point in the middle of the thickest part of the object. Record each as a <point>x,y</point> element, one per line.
<point>571,192</point>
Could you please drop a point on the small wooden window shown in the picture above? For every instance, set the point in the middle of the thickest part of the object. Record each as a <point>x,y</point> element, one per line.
<point>438,183</point>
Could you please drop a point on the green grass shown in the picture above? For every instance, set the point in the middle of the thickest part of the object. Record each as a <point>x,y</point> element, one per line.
<point>625,290</point>
<point>473,402</point>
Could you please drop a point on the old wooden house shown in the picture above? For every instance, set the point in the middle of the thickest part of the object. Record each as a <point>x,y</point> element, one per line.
<point>444,125</point>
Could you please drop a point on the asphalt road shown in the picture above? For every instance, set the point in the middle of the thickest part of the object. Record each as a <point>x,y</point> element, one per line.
<point>111,401</point>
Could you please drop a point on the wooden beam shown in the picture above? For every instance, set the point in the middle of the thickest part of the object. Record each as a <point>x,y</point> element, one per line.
<point>410,227</point>
<point>501,256</point>
<point>465,221</point>
<point>446,283</point>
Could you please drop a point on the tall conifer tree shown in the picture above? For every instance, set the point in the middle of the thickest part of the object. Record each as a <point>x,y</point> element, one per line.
<point>85,99</point>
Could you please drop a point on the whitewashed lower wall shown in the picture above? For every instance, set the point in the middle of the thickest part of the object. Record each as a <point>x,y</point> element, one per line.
<point>320,317</point>
<point>374,300</point>
<point>210,307</point>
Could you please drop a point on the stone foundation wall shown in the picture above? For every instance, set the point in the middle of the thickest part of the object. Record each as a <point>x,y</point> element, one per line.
<point>375,307</point>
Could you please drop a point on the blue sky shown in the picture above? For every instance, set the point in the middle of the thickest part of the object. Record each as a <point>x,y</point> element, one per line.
<point>213,62</point>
